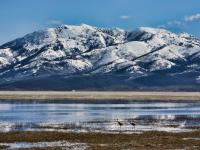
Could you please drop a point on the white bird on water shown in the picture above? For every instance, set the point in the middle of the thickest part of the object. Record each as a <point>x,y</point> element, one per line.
<point>183,124</point>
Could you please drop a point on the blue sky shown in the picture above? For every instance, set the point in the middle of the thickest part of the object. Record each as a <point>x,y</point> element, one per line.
<point>19,17</point>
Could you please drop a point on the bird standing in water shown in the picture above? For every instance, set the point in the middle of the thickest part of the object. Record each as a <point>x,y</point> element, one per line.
<point>119,123</point>
<point>132,123</point>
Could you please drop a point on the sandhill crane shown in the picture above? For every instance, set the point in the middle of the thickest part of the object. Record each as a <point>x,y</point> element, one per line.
<point>119,123</point>
<point>132,123</point>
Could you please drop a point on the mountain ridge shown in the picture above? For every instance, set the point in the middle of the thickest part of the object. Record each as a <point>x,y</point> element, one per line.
<point>146,58</point>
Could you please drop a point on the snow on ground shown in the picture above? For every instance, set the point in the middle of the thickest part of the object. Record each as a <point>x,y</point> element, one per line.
<point>51,54</point>
<point>71,49</point>
<point>6,57</point>
<point>161,64</point>
<point>61,144</point>
<point>133,49</point>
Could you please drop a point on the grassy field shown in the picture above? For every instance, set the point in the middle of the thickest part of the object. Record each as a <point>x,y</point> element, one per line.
<point>53,95</point>
<point>100,141</point>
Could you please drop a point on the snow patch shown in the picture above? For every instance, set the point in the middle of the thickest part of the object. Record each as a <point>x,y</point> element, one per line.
<point>62,144</point>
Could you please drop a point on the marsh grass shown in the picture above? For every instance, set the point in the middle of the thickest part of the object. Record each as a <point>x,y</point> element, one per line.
<point>3,147</point>
<point>101,141</point>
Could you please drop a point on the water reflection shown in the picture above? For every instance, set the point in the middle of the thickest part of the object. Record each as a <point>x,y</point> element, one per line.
<point>104,114</point>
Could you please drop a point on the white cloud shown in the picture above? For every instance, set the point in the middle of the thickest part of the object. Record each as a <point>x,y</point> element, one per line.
<point>182,23</point>
<point>54,22</point>
<point>192,18</point>
<point>125,17</point>
<point>174,23</point>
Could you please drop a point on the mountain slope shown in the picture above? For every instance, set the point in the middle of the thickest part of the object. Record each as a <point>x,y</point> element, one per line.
<point>86,57</point>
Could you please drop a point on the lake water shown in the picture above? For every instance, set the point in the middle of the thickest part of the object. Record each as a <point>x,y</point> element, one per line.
<point>99,116</point>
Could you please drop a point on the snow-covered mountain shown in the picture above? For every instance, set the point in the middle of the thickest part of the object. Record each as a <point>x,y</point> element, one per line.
<point>86,57</point>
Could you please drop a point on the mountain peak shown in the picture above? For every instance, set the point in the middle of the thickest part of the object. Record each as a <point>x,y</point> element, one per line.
<point>153,30</point>
<point>68,51</point>
<point>75,27</point>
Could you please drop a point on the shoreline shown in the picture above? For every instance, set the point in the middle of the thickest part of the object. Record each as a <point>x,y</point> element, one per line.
<point>98,95</point>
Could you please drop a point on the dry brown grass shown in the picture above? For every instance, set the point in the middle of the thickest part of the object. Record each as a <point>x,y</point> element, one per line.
<point>100,141</point>
<point>3,147</point>
<point>52,95</point>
